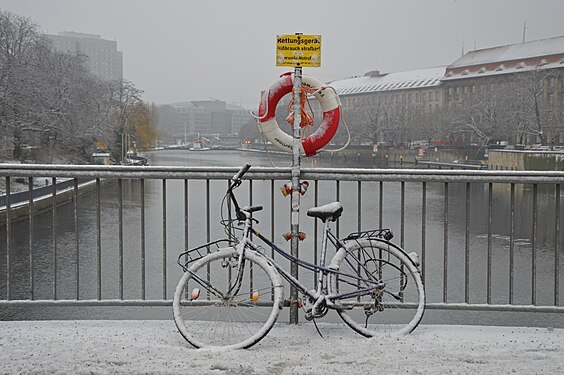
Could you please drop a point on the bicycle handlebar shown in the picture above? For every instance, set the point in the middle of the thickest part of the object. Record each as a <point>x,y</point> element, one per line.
<point>236,182</point>
<point>241,172</point>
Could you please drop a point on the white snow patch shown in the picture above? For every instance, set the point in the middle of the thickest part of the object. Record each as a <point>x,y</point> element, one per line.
<point>414,257</point>
<point>327,208</point>
<point>101,347</point>
<point>429,77</point>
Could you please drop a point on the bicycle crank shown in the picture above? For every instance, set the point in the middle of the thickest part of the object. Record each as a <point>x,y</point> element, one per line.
<point>313,310</point>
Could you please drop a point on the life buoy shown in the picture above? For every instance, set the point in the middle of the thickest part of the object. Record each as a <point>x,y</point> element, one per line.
<point>330,106</point>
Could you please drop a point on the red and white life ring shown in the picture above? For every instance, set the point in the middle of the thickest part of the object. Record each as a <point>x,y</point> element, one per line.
<point>330,106</point>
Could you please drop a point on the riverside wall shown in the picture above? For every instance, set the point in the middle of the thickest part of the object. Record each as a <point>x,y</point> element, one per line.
<point>526,160</point>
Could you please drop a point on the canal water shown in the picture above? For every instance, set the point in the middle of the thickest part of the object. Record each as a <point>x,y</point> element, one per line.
<point>172,240</point>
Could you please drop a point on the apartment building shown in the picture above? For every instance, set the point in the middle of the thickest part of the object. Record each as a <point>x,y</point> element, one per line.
<point>104,60</point>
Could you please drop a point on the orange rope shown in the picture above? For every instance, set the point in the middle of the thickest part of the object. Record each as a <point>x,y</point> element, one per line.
<point>307,118</point>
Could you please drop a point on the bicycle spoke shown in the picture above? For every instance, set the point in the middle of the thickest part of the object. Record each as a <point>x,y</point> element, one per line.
<point>235,321</point>
<point>397,307</point>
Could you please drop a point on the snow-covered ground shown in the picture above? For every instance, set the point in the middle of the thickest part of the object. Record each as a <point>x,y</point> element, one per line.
<point>155,347</point>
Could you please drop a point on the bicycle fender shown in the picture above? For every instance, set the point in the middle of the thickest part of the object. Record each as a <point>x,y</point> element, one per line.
<point>337,259</point>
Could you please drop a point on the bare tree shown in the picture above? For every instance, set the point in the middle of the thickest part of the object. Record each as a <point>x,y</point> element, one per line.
<point>483,116</point>
<point>535,114</point>
<point>124,98</point>
<point>20,53</point>
<point>399,121</point>
<point>429,126</point>
<point>371,121</point>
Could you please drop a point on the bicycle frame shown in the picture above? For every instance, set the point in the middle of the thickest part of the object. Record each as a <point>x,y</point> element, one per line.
<point>321,270</point>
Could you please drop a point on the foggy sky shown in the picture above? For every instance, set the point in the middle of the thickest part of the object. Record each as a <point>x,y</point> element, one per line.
<point>177,50</point>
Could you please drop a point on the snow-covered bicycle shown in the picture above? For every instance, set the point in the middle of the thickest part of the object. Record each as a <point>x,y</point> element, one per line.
<point>231,292</point>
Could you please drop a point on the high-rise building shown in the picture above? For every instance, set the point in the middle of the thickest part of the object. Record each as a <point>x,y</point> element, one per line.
<point>104,60</point>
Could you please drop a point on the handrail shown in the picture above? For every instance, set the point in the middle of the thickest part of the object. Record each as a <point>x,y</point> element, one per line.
<point>218,173</point>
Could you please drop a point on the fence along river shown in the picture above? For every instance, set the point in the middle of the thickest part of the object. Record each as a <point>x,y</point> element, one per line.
<point>535,239</point>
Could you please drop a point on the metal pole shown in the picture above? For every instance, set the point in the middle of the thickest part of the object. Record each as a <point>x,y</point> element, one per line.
<point>8,237</point>
<point>30,237</point>
<point>295,218</point>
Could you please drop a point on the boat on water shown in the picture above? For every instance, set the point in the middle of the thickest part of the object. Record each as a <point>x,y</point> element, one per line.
<point>101,158</point>
<point>131,158</point>
<point>198,145</point>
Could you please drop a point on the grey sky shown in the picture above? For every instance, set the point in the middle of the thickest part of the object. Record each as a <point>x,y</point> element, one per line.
<point>179,50</point>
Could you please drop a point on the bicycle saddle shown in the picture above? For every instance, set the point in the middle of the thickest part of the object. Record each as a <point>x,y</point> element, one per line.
<point>329,211</point>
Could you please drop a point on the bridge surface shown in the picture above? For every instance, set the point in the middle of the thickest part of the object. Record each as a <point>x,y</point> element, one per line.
<point>100,347</point>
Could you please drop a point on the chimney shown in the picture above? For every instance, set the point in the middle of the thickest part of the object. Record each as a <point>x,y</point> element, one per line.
<point>373,73</point>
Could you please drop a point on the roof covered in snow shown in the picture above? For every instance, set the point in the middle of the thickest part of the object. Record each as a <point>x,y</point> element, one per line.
<point>374,81</point>
<point>519,51</point>
<point>515,58</point>
<point>505,68</point>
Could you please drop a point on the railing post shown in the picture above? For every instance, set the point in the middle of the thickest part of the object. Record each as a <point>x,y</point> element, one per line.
<point>8,237</point>
<point>30,238</point>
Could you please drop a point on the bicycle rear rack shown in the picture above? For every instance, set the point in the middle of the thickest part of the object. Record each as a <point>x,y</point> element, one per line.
<point>385,234</point>
<point>199,252</point>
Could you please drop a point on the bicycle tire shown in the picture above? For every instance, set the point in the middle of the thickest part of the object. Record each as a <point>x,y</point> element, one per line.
<point>398,307</point>
<point>213,320</point>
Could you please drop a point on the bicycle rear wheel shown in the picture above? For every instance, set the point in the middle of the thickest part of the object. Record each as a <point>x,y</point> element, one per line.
<point>218,303</point>
<point>396,307</point>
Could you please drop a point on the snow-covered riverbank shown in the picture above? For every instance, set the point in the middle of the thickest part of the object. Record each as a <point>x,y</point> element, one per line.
<point>155,347</point>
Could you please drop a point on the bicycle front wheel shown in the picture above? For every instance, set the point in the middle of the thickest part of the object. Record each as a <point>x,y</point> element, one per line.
<point>221,302</point>
<point>381,288</point>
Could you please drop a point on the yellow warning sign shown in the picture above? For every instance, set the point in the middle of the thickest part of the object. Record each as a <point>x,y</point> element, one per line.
<point>298,50</point>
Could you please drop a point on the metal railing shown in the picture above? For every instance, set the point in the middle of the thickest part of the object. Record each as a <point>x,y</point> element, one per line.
<point>487,240</point>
